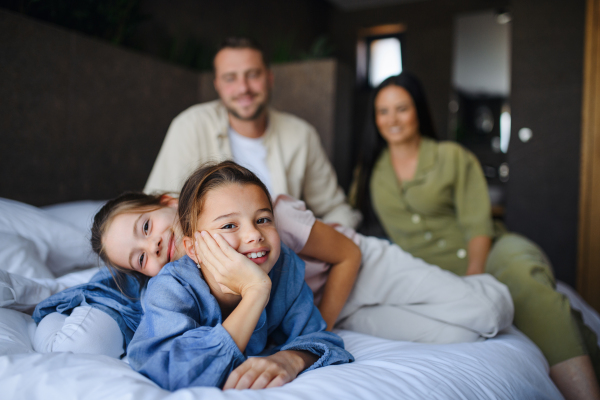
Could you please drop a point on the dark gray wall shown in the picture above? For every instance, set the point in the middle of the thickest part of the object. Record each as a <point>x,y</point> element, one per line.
<point>177,28</point>
<point>80,119</point>
<point>547,82</point>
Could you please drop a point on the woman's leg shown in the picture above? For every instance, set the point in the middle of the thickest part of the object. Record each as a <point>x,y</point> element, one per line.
<point>397,323</point>
<point>575,378</point>
<point>87,330</point>
<point>391,277</point>
<point>543,314</point>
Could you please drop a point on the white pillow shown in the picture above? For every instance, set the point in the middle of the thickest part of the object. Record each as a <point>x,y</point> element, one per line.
<point>23,294</point>
<point>61,246</point>
<point>80,214</point>
<point>21,256</point>
<point>16,330</point>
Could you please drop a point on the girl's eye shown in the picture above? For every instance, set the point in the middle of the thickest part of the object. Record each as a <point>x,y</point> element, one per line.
<point>142,260</point>
<point>228,226</point>
<point>263,220</point>
<point>145,227</point>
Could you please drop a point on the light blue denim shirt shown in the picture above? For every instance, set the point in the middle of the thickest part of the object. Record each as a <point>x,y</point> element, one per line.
<point>180,341</point>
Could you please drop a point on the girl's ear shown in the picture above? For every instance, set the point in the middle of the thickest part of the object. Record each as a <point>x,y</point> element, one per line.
<point>169,201</point>
<point>190,248</point>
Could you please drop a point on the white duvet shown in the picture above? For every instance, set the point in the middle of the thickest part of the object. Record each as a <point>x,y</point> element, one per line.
<point>508,366</point>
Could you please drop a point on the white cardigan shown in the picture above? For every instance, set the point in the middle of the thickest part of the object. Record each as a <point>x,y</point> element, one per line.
<point>295,158</point>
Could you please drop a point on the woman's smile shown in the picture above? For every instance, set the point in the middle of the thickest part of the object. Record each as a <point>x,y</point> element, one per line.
<point>396,115</point>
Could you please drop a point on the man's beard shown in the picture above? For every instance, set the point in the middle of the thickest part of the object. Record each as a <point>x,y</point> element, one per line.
<point>261,108</point>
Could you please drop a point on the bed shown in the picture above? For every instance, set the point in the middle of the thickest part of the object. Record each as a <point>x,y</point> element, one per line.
<point>45,250</point>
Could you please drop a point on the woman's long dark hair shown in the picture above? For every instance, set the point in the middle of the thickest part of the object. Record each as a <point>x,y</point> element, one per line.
<point>373,143</point>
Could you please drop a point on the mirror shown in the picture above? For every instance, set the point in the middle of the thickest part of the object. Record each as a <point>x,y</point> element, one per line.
<point>480,95</point>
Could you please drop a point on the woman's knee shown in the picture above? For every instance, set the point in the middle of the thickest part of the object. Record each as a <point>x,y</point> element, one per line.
<point>396,323</point>
<point>520,264</point>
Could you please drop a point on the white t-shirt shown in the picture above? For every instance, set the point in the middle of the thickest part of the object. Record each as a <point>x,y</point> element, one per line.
<point>252,154</point>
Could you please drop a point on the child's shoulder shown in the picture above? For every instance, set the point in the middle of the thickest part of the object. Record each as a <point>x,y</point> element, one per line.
<point>184,262</point>
<point>290,259</point>
<point>289,268</point>
<point>183,269</point>
<point>180,278</point>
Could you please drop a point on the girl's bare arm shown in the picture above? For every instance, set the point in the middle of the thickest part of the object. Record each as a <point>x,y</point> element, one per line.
<point>328,245</point>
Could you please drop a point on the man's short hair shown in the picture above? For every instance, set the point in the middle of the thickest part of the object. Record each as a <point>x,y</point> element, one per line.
<point>240,42</point>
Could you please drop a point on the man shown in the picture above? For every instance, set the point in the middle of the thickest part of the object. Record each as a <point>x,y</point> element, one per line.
<point>282,150</point>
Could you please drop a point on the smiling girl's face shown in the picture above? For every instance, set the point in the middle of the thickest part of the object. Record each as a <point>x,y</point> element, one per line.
<point>144,241</point>
<point>242,215</point>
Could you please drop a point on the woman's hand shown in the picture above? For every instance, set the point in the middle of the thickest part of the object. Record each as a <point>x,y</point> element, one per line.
<point>272,371</point>
<point>479,248</point>
<point>234,272</point>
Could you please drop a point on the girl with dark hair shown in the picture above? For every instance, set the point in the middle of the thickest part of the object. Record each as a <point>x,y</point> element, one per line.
<point>431,198</point>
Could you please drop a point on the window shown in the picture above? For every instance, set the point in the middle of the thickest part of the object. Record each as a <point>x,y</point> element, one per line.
<point>379,54</point>
<point>385,59</point>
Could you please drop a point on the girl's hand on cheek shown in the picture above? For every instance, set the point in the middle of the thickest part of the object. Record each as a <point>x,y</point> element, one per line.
<point>233,271</point>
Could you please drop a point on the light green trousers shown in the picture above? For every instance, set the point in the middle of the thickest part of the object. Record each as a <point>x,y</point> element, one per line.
<point>541,313</point>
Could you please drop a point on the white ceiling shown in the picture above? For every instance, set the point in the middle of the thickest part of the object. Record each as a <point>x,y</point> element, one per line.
<point>351,5</point>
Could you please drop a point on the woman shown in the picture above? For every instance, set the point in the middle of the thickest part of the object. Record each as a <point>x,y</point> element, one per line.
<point>432,200</point>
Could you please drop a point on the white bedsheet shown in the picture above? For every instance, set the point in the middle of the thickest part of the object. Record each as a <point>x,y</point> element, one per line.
<point>506,367</point>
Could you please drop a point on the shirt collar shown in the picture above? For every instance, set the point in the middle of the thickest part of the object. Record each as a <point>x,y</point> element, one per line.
<point>427,156</point>
<point>223,118</point>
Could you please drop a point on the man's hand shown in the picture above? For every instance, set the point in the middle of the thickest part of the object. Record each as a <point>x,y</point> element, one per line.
<point>272,371</point>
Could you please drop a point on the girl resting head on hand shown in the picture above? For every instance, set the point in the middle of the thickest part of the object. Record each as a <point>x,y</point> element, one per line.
<point>199,328</point>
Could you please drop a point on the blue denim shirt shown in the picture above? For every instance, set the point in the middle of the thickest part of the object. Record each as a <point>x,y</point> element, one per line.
<point>121,301</point>
<point>180,341</point>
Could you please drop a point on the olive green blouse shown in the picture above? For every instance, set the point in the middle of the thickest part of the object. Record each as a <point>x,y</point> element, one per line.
<point>434,215</point>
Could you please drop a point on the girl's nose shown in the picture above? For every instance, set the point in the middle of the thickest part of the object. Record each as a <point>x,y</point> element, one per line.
<point>156,244</point>
<point>253,235</point>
